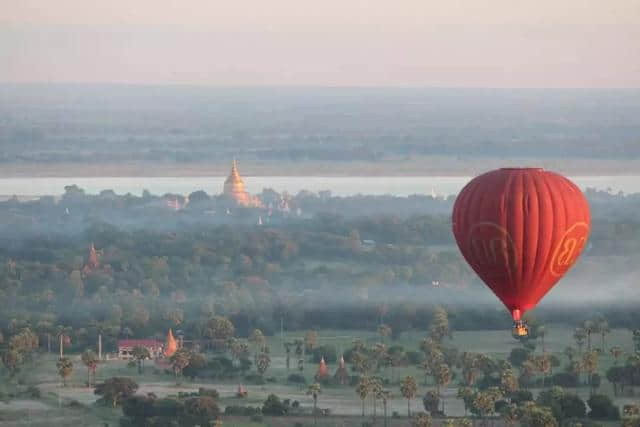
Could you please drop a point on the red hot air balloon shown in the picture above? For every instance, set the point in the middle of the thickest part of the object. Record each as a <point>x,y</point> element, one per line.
<point>521,230</point>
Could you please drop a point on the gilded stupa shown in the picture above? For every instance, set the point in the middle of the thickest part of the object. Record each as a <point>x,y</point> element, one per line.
<point>234,189</point>
<point>171,346</point>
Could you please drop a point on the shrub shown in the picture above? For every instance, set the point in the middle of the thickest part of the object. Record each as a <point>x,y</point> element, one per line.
<point>244,411</point>
<point>211,392</point>
<point>274,406</point>
<point>602,408</point>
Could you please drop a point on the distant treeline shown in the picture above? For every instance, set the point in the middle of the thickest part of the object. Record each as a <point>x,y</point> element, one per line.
<point>93,124</point>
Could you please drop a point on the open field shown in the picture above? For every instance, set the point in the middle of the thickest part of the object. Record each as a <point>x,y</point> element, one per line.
<point>342,401</point>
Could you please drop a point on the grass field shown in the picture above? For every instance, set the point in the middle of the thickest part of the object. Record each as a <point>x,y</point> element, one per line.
<point>342,401</point>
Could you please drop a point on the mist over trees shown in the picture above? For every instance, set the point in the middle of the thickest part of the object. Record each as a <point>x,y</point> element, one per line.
<point>336,264</point>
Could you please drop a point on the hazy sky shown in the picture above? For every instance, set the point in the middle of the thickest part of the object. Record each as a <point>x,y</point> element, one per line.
<point>479,43</point>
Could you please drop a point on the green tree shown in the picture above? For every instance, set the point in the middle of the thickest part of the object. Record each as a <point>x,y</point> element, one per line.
<point>362,390</point>
<point>140,354</point>
<point>314,391</point>
<point>590,366</point>
<point>537,416</point>
<point>90,360</point>
<point>262,363</point>
<point>116,389</point>
<point>616,351</point>
<point>421,420</point>
<point>257,339</point>
<point>311,340</point>
<point>439,327</point>
<point>201,411</point>
<point>443,378</point>
<point>408,389</point>
<point>180,360</point>
<point>579,335</point>
<point>385,396</point>
<point>65,369</point>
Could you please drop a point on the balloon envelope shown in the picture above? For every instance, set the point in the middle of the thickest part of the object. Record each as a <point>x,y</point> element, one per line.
<point>521,230</point>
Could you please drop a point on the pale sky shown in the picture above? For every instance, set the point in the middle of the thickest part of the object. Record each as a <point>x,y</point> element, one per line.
<point>470,43</point>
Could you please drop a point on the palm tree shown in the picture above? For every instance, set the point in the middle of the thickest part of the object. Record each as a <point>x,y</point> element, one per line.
<point>263,362</point>
<point>257,339</point>
<point>616,352</point>
<point>362,390</point>
<point>443,378</point>
<point>579,334</point>
<point>603,327</point>
<point>385,396</point>
<point>314,390</point>
<point>65,368</point>
<point>140,354</point>
<point>375,387</point>
<point>179,361</point>
<point>408,389</point>
<point>90,360</point>
<point>589,328</point>
<point>590,365</point>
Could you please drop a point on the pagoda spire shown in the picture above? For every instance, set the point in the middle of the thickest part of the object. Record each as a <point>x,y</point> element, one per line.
<point>171,345</point>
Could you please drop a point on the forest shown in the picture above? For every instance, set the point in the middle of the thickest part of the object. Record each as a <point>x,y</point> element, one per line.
<point>321,263</point>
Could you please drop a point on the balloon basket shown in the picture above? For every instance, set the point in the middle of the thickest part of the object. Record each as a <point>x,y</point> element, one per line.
<point>520,329</point>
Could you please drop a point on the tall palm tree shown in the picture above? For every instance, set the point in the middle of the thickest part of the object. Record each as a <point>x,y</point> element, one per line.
<point>385,396</point>
<point>90,360</point>
<point>362,390</point>
<point>408,389</point>
<point>443,378</point>
<point>314,391</point>
<point>65,368</point>
<point>140,354</point>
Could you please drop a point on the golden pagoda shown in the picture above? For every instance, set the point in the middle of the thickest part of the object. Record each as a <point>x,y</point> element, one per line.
<point>171,345</point>
<point>234,189</point>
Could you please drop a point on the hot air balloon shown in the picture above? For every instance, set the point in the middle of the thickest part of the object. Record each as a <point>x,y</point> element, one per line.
<point>521,230</point>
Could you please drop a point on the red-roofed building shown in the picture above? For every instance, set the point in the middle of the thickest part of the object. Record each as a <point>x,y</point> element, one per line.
<point>125,348</point>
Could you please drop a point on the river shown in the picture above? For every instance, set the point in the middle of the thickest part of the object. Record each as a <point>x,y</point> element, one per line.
<point>340,186</point>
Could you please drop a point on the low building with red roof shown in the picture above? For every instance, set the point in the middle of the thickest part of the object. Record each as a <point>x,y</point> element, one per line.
<point>125,347</point>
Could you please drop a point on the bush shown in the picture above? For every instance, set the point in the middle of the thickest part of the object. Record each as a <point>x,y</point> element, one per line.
<point>297,379</point>
<point>602,408</point>
<point>274,406</point>
<point>211,392</point>
<point>244,411</point>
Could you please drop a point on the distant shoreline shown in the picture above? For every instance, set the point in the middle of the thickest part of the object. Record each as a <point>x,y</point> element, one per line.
<point>418,167</point>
